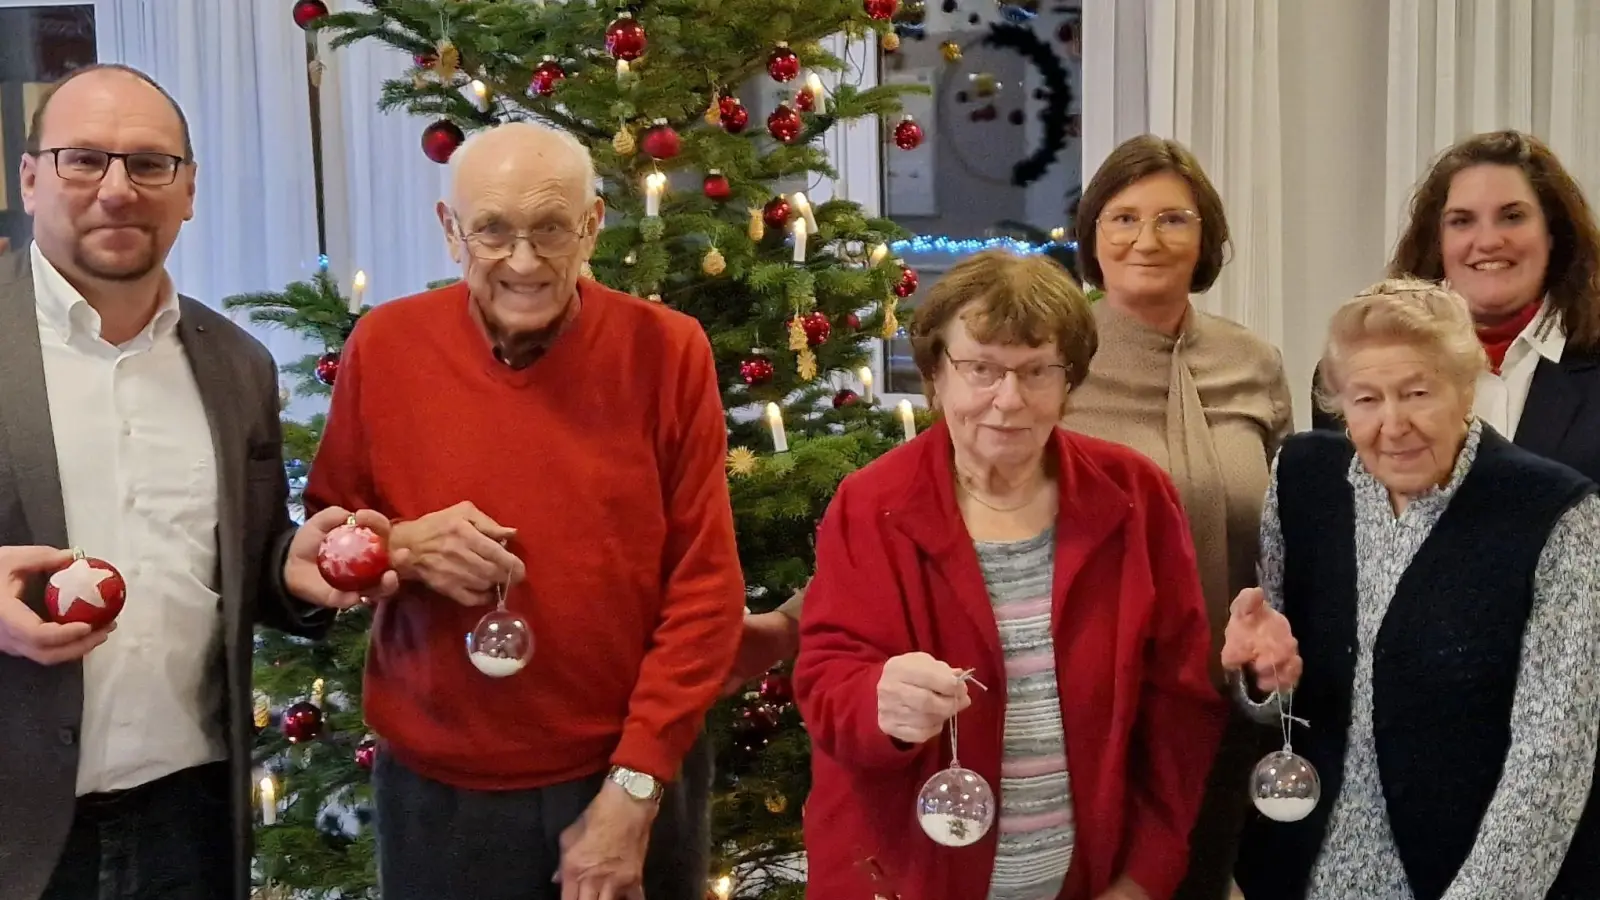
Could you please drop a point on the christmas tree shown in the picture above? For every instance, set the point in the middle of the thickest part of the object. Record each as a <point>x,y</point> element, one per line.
<point>706,214</point>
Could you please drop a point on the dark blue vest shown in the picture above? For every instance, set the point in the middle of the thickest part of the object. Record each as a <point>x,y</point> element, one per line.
<point>1444,664</point>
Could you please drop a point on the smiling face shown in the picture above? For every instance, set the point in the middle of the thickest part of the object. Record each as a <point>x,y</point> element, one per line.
<point>1003,425</point>
<point>1405,415</point>
<point>106,229</point>
<point>1158,261</point>
<point>1494,241</point>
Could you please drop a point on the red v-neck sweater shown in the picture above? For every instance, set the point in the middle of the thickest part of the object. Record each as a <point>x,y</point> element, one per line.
<point>607,456</point>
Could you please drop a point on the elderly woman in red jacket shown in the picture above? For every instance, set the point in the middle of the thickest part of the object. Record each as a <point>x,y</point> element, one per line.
<point>1058,569</point>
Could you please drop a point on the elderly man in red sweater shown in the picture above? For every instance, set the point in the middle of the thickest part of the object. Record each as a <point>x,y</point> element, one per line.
<point>531,430</point>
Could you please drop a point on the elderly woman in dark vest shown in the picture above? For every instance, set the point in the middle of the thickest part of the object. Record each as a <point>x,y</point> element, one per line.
<point>1442,584</point>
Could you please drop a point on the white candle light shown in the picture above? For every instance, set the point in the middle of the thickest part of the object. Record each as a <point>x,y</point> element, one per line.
<point>723,887</point>
<point>269,801</point>
<point>780,440</point>
<point>654,185</point>
<point>804,207</point>
<point>622,69</point>
<point>799,240</point>
<point>880,252</point>
<point>358,291</point>
<point>814,87</point>
<point>908,422</point>
<point>480,93</point>
<point>865,374</point>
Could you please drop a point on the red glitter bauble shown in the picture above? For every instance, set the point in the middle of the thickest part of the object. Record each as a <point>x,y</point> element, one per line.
<point>625,38</point>
<point>908,134</point>
<point>327,370</point>
<point>907,285</point>
<point>546,76</point>
<point>817,327</point>
<point>85,590</point>
<point>367,754</point>
<point>776,213</point>
<point>735,118</point>
<point>776,687</point>
<point>308,11</point>
<point>784,123</point>
<point>660,141</point>
<point>302,722</point>
<point>845,397</point>
<point>804,101</point>
<point>440,140</point>
<point>353,557</point>
<point>882,10</point>
<point>756,370</point>
<point>716,186</point>
<point>783,64</point>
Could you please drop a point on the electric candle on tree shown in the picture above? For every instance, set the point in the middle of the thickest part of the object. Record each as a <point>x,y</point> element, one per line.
<point>819,102</point>
<point>480,95</point>
<point>803,206</point>
<point>865,373</point>
<point>799,240</point>
<point>780,440</point>
<point>269,802</point>
<point>654,185</point>
<point>908,421</point>
<point>358,292</point>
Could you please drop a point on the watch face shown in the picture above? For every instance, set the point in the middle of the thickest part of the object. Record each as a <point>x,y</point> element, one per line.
<point>639,786</point>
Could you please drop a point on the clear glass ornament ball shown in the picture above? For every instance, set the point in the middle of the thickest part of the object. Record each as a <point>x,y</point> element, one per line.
<point>956,807</point>
<point>1285,787</point>
<point>501,644</point>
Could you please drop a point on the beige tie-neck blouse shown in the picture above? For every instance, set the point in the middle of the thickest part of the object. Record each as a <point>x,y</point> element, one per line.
<point>1210,406</point>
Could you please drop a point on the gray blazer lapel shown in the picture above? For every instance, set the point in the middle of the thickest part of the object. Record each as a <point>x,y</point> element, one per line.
<point>30,443</point>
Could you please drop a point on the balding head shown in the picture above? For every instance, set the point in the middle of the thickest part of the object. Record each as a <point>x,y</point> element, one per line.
<point>521,216</point>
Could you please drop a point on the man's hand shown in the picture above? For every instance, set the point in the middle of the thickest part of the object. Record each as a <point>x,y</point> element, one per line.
<point>458,552</point>
<point>22,632</point>
<point>1258,638</point>
<point>768,638</point>
<point>602,854</point>
<point>1124,889</point>
<point>917,694</point>
<point>300,573</point>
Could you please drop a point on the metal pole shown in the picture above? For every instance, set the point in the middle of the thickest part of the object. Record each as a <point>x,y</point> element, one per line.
<point>314,70</point>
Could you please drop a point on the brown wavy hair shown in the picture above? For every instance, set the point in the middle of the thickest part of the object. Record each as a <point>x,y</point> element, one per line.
<point>1572,279</point>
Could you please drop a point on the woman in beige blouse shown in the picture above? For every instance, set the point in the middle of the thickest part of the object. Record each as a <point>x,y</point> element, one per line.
<point>1201,395</point>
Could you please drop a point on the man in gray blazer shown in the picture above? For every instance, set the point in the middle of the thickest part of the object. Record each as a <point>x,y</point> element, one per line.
<point>142,428</point>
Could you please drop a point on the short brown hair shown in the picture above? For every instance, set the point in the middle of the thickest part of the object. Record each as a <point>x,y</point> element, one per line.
<point>36,124</point>
<point>1408,311</point>
<point>1135,160</point>
<point>1005,298</point>
<point>1572,279</point>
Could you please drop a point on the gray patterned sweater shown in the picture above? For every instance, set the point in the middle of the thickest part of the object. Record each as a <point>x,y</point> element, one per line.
<point>1555,717</point>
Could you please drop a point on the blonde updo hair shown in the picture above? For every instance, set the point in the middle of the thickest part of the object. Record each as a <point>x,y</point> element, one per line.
<point>1420,314</point>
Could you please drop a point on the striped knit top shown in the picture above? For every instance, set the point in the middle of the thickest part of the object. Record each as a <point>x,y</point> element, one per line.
<point>1035,821</point>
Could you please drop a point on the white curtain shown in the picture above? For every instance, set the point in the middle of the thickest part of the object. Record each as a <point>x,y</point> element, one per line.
<point>1459,67</point>
<point>1204,73</point>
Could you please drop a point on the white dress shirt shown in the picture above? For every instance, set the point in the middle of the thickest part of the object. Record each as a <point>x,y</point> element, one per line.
<point>1500,398</point>
<point>139,487</point>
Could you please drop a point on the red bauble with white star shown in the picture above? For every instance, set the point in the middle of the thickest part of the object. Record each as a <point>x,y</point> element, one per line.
<point>907,285</point>
<point>546,75</point>
<point>776,213</point>
<point>660,141</point>
<point>86,590</point>
<point>908,134</point>
<point>817,327</point>
<point>353,557</point>
<point>625,38</point>
<point>716,186</point>
<point>440,140</point>
<point>756,370</point>
<point>367,753</point>
<point>735,118</point>
<point>308,11</point>
<point>784,123</point>
<point>327,370</point>
<point>882,10</point>
<point>783,64</point>
<point>302,722</point>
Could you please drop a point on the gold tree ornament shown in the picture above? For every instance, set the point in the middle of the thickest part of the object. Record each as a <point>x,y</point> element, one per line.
<point>890,42</point>
<point>624,143</point>
<point>891,324</point>
<point>797,335</point>
<point>446,60</point>
<point>714,111</point>
<point>951,51</point>
<point>806,365</point>
<point>713,264</point>
<point>777,803</point>
<point>758,228</point>
<point>262,710</point>
<point>742,462</point>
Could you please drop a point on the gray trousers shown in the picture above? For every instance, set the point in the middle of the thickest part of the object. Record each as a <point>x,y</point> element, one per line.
<point>437,842</point>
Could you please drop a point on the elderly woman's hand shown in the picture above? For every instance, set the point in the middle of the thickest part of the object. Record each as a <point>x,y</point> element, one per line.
<point>1258,637</point>
<point>917,694</point>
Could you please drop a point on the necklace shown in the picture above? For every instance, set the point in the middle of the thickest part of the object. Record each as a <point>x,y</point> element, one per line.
<point>961,482</point>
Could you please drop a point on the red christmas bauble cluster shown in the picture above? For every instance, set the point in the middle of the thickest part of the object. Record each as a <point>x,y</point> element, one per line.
<point>716,186</point>
<point>546,76</point>
<point>783,64</point>
<point>785,124</point>
<point>882,10</point>
<point>327,370</point>
<point>353,557</point>
<point>907,134</point>
<point>86,590</point>
<point>302,722</point>
<point>660,141</point>
<point>907,285</point>
<point>440,140</point>
<point>756,370</point>
<point>817,327</point>
<point>776,213</point>
<point>309,11</point>
<point>625,38</point>
<point>735,118</point>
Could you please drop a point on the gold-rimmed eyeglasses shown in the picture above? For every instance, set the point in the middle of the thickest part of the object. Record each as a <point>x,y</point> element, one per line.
<point>496,241</point>
<point>86,165</point>
<point>1172,226</point>
<point>984,375</point>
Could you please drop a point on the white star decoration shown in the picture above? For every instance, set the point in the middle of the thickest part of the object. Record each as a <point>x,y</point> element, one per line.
<point>79,581</point>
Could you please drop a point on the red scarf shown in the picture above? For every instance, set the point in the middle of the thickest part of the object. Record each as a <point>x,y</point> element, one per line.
<point>1496,339</point>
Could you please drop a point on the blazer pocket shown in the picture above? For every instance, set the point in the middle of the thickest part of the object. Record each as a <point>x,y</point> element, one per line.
<point>263,450</point>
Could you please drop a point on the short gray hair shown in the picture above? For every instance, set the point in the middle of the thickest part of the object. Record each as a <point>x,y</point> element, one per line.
<point>1422,314</point>
<point>561,136</point>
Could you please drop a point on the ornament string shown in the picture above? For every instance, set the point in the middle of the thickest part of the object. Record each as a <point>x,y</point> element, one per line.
<point>963,676</point>
<point>1286,714</point>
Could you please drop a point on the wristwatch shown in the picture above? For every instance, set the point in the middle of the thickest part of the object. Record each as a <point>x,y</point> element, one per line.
<point>638,785</point>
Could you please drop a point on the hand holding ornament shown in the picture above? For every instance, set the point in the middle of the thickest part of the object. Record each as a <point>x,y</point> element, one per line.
<point>22,633</point>
<point>457,552</point>
<point>363,576</point>
<point>1258,639</point>
<point>917,695</point>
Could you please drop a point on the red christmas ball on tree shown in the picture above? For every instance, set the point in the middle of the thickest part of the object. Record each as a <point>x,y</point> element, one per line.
<point>783,64</point>
<point>367,754</point>
<point>907,134</point>
<point>845,397</point>
<point>546,76</point>
<point>328,368</point>
<point>735,118</point>
<point>716,186</point>
<point>85,590</point>
<point>882,10</point>
<point>353,557</point>
<point>440,140</point>
<point>308,11</point>
<point>907,285</point>
<point>756,370</point>
<point>804,101</point>
<point>424,60</point>
<point>776,213</point>
<point>625,38</point>
<point>660,141</point>
<point>852,321</point>
<point>776,687</point>
<point>302,722</point>
<point>817,327</point>
<point>784,123</point>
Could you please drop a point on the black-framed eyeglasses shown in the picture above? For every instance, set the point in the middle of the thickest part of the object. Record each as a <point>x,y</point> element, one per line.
<point>87,165</point>
<point>495,241</point>
<point>984,375</point>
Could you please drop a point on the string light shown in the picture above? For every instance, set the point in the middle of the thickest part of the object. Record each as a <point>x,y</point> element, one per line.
<point>935,243</point>
<point>723,887</point>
